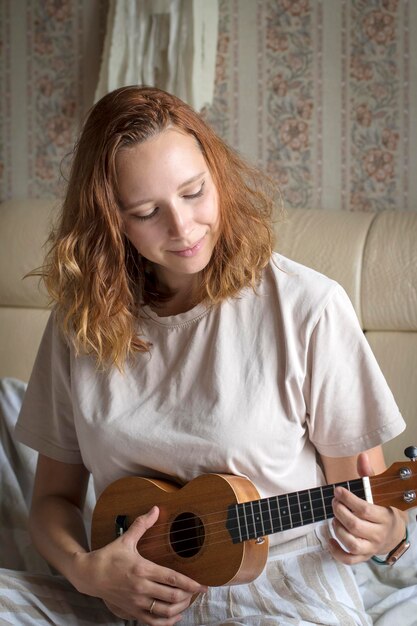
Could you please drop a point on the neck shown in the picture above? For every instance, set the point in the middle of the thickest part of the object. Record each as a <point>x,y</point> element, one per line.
<point>175,296</point>
<point>173,306</point>
<point>251,520</point>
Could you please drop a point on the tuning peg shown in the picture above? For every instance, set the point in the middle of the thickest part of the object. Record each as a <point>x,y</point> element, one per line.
<point>411,452</point>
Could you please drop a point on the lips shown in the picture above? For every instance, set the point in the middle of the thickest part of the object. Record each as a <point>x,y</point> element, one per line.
<point>191,251</point>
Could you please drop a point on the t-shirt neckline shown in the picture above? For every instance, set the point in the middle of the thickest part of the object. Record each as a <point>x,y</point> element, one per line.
<point>175,320</point>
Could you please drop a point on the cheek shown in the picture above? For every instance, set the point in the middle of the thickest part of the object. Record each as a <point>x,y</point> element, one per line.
<point>139,237</point>
<point>210,211</point>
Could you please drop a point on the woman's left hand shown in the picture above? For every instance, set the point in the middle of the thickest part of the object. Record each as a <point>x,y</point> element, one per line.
<point>363,528</point>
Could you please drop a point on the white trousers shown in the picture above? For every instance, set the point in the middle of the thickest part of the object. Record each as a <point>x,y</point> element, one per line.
<point>301,584</point>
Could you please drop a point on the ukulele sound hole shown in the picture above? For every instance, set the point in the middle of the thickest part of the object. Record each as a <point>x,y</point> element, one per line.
<point>187,535</point>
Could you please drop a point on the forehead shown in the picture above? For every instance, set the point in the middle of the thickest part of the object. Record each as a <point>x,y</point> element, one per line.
<point>168,145</point>
<point>163,161</point>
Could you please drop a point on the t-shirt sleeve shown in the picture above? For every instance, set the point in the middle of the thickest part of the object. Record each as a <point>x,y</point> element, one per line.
<point>350,405</point>
<point>46,421</point>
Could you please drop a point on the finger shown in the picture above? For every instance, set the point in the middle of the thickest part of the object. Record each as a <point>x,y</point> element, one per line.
<point>353,526</point>
<point>174,581</point>
<point>169,611</point>
<point>155,617</point>
<point>160,574</point>
<point>364,466</point>
<point>140,525</point>
<point>349,558</point>
<point>346,506</point>
<point>358,541</point>
<point>149,610</point>
<point>168,594</point>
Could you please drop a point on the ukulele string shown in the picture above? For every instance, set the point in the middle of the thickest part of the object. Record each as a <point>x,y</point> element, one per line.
<point>160,549</point>
<point>325,499</point>
<point>199,538</point>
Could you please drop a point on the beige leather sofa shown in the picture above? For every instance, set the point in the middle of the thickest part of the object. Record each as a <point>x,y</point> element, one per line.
<point>374,256</point>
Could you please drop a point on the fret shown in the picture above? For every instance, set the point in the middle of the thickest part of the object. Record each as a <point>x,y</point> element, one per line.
<point>279,517</point>
<point>284,512</point>
<point>311,505</point>
<point>276,515</point>
<point>266,516</point>
<point>249,520</point>
<point>316,495</point>
<point>323,502</point>
<point>242,523</point>
<point>299,508</point>
<point>306,509</point>
<point>258,519</point>
<point>287,497</point>
<point>358,488</point>
<point>327,492</point>
<point>294,506</point>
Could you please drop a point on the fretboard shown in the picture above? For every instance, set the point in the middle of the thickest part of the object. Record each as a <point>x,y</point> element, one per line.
<point>258,518</point>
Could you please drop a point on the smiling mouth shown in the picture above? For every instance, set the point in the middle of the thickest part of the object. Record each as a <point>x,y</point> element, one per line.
<point>190,251</point>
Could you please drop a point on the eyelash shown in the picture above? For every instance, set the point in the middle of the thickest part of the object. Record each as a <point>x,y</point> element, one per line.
<point>198,194</point>
<point>192,196</point>
<point>143,218</point>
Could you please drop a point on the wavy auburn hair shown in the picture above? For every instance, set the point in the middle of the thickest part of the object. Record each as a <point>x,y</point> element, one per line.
<point>92,272</point>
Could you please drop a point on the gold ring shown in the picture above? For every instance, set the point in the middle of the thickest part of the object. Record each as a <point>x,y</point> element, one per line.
<point>152,605</point>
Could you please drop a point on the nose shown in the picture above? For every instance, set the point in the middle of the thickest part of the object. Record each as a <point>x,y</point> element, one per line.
<point>180,221</point>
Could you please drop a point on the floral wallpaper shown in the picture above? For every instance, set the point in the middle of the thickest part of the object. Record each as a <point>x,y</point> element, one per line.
<point>290,103</point>
<point>335,114</point>
<point>55,111</point>
<point>374,74</point>
<point>48,67</point>
<point>322,94</point>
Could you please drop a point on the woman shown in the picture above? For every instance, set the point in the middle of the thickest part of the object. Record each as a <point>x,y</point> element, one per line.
<point>181,345</point>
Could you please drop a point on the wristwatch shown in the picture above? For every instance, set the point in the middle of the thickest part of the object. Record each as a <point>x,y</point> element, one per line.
<point>395,554</point>
<point>398,551</point>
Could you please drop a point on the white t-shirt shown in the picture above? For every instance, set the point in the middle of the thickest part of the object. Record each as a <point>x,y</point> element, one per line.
<point>256,386</point>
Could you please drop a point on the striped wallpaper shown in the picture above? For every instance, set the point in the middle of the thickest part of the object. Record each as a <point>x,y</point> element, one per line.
<point>320,93</point>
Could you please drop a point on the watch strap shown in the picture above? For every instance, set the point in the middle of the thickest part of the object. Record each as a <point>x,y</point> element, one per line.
<point>396,553</point>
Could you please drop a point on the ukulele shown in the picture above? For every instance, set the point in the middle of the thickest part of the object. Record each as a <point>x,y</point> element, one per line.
<point>215,528</point>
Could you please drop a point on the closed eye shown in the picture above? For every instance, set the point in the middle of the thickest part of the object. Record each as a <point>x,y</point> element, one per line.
<point>148,216</point>
<point>199,193</point>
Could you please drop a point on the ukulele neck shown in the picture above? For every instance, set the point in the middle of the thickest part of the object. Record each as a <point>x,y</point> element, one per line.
<point>258,518</point>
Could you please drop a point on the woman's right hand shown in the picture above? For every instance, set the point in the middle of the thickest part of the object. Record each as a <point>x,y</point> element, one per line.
<point>131,586</point>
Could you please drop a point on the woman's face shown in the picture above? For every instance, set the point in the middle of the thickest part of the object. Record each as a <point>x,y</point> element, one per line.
<point>169,205</point>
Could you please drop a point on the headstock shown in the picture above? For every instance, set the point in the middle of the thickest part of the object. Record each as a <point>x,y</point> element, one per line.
<point>397,486</point>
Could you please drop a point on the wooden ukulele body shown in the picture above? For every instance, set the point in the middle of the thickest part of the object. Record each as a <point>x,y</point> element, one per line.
<point>190,535</point>
<point>215,529</point>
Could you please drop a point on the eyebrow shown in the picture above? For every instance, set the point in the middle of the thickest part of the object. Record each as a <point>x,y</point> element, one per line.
<point>190,181</point>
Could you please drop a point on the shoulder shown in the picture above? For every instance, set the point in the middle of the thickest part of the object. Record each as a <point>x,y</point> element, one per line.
<point>53,335</point>
<point>292,275</point>
<point>298,288</point>
<point>290,299</point>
